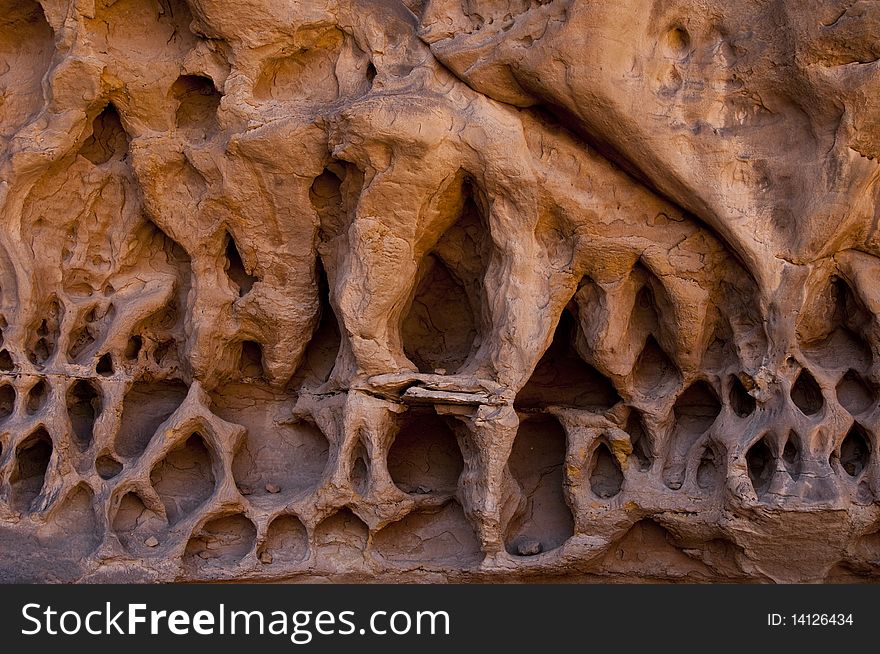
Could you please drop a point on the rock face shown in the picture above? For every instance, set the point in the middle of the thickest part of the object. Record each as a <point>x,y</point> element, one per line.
<point>449,290</point>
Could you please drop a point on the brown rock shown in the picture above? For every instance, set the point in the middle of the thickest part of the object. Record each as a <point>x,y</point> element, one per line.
<point>590,273</point>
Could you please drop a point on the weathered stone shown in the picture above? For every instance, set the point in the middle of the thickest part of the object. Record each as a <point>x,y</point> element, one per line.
<point>416,289</point>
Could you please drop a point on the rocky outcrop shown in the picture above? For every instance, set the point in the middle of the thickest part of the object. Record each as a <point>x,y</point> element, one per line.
<point>450,290</point>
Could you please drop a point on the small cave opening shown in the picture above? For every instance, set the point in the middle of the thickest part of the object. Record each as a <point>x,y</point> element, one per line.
<point>286,541</point>
<point>146,405</point>
<point>424,456</point>
<point>307,75</point>
<point>710,473</point>
<point>32,458</point>
<point>855,451</point>
<point>107,467</point>
<point>741,402</point>
<point>36,397</point>
<point>82,337</point>
<point>854,393</point>
<point>807,394</point>
<point>235,268</point>
<point>840,342</point>
<point>696,409</point>
<point>537,463</point>
<point>251,360</point>
<point>342,536</point>
<point>108,140</point>
<point>133,347</point>
<point>694,412</point>
<point>277,455</point>
<point>563,378</point>
<point>323,348</point>
<point>197,104</point>
<point>791,456</point>
<point>184,479</point>
<point>360,470</point>
<point>440,329</point>
<point>761,464</point>
<point>654,374</point>
<point>434,534</point>
<point>7,401</point>
<point>104,367</point>
<point>222,541</point>
<point>640,439</point>
<point>606,477</point>
<point>46,334</point>
<point>134,523</point>
<point>83,407</point>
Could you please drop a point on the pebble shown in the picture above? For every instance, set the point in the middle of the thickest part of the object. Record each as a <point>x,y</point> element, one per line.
<point>273,488</point>
<point>152,541</point>
<point>529,548</point>
<point>265,557</point>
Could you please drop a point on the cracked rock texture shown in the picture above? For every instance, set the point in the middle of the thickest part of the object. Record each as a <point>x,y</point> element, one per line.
<point>468,290</point>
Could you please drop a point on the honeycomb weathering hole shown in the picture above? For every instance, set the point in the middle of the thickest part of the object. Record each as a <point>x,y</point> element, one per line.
<point>184,479</point>
<point>75,524</point>
<point>646,548</point>
<point>855,451</point>
<point>440,328</point>
<point>276,454</point>
<point>107,467</point>
<point>694,413</point>
<point>83,407</point>
<point>36,397</point>
<point>236,270</point>
<point>437,535</point>
<point>221,542</point>
<point>32,458</point>
<point>710,471</point>
<point>341,538</point>
<point>640,440</point>
<point>197,104</point>
<point>286,541</point>
<point>761,464</point>
<point>146,406</point>
<point>806,394</point>
<point>104,366</point>
<point>742,403</point>
<point>854,394</point>
<point>108,140</point>
<point>563,378</point>
<point>606,478</point>
<point>537,463</point>
<point>425,456</point>
<point>307,75</point>
<point>654,374</point>
<point>134,523</point>
<point>251,360</point>
<point>360,470</point>
<point>840,343</point>
<point>7,401</point>
<point>791,456</point>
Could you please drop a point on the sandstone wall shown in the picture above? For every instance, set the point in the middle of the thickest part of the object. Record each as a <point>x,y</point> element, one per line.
<point>444,290</point>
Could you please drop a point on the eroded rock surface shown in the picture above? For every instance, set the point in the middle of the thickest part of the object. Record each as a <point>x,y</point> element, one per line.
<point>439,290</point>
